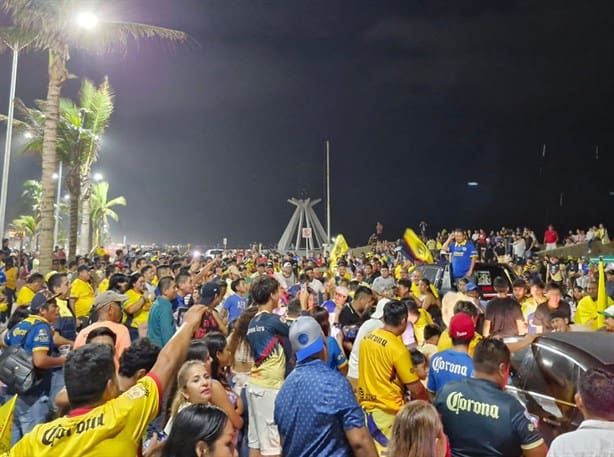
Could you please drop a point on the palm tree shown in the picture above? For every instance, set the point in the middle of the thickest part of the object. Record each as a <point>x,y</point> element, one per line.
<point>32,191</point>
<point>80,129</point>
<point>27,226</point>
<point>52,22</point>
<point>97,104</point>
<point>102,210</point>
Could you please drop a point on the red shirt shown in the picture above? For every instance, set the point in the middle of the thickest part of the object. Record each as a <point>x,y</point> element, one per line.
<point>551,236</point>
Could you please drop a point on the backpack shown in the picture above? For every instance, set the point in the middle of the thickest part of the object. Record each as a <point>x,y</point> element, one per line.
<point>16,368</point>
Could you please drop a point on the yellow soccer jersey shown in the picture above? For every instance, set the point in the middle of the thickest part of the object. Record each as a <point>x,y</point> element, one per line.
<point>384,368</point>
<point>103,286</point>
<point>586,312</point>
<point>415,290</point>
<point>25,296</point>
<point>115,428</point>
<point>445,342</point>
<point>424,320</point>
<point>84,294</point>
<point>141,315</point>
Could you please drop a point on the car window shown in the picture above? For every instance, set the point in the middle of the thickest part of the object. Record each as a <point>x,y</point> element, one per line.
<point>561,373</point>
<point>483,278</point>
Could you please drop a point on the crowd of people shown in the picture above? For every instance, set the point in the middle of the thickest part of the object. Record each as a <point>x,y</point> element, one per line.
<point>268,354</point>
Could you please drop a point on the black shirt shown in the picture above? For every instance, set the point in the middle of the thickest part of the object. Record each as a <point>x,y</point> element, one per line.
<point>542,315</point>
<point>483,421</point>
<point>503,314</point>
<point>349,316</point>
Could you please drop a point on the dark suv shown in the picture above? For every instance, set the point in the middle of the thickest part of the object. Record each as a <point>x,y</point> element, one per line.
<point>544,376</point>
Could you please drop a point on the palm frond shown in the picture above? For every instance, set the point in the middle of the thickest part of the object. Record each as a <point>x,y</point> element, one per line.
<point>117,35</point>
<point>15,38</point>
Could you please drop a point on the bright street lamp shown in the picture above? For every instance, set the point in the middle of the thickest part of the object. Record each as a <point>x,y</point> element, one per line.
<point>97,177</point>
<point>87,20</point>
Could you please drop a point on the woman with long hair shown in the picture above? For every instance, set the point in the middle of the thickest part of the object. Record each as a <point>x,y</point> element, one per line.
<point>199,431</point>
<point>137,306</point>
<point>222,394</point>
<point>193,388</point>
<point>241,359</point>
<point>418,432</point>
<point>336,357</point>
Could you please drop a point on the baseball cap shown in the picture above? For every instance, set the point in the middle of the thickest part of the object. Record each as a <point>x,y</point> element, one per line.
<point>269,265</point>
<point>83,268</point>
<point>379,309</point>
<point>609,312</point>
<point>106,297</point>
<point>462,327</point>
<point>306,337</point>
<point>609,267</point>
<point>471,286</point>
<point>41,300</point>
<point>287,265</point>
<point>208,292</point>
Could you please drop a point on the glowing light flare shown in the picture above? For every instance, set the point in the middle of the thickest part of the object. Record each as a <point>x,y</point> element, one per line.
<point>87,20</point>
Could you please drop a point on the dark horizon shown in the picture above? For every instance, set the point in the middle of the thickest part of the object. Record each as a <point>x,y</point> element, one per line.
<point>209,141</point>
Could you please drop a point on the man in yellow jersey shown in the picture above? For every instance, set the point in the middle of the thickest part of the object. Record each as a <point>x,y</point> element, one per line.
<point>82,293</point>
<point>466,307</point>
<point>385,374</point>
<point>34,283</point>
<point>102,423</point>
<point>586,311</point>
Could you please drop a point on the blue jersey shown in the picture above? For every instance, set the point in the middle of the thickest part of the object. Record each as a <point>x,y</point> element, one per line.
<point>336,357</point>
<point>461,254</point>
<point>446,366</point>
<point>235,304</point>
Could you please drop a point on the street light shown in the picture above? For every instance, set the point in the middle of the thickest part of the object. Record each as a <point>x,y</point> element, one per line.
<point>15,47</point>
<point>87,20</point>
<point>97,177</point>
<point>56,225</point>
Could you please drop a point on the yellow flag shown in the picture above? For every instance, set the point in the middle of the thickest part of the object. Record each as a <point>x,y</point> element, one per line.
<point>6,423</point>
<point>414,248</point>
<point>340,247</point>
<point>602,297</point>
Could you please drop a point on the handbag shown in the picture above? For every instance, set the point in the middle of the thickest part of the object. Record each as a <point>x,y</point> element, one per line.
<point>16,368</point>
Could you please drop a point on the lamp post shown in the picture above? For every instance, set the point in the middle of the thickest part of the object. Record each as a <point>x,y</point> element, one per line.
<point>56,225</point>
<point>15,47</point>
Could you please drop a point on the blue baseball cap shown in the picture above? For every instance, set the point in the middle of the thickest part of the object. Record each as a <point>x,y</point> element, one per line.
<point>306,337</point>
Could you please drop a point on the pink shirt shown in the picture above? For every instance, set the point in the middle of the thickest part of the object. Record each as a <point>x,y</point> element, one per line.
<point>122,340</point>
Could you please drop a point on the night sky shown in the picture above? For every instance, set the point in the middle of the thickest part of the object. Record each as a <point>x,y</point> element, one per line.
<point>417,98</point>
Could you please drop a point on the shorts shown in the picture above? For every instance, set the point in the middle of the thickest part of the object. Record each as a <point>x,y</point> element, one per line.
<point>262,432</point>
<point>379,425</point>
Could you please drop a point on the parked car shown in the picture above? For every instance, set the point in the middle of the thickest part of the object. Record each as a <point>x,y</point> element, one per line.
<point>544,376</point>
<point>484,274</point>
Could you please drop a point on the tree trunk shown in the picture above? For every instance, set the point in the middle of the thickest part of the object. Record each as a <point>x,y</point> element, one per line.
<point>57,76</point>
<point>85,240</point>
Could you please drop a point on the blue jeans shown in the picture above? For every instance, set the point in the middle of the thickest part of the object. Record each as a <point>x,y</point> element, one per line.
<point>28,416</point>
<point>57,384</point>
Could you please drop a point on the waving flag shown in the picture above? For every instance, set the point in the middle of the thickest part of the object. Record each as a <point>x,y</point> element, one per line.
<point>340,247</point>
<point>413,247</point>
<point>602,297</point>
<point>6,423</point>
